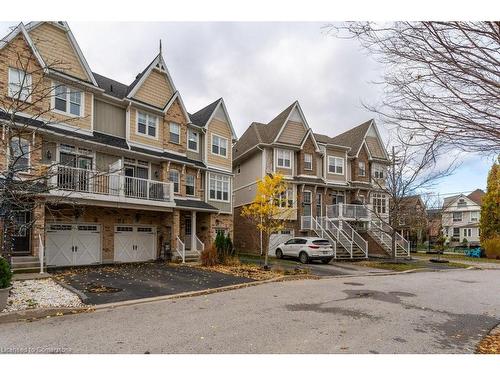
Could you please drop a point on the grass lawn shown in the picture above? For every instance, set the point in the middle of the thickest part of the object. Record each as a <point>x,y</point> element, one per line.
<point>458,257</point>
<point>398,267</point>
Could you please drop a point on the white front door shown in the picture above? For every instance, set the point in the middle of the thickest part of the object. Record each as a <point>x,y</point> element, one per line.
<point>135,243</point>
<point>69,244</point>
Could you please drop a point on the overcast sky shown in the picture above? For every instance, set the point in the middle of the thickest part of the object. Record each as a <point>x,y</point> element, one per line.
<point>258,68</point>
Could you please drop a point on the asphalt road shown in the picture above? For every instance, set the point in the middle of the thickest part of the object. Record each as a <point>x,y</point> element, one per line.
<point>425,312</point>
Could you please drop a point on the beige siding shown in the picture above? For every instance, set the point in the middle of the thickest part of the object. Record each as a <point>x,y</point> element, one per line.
<point>293,133</point>
<point>109,118</point>
<point>155,90</point>
<point>222,129</point>
<point>175,114</point>
<point>250,171</point>
<point>336,177</point>
<point>56,50</point>
<point>143,139</point>
<point>374,147</point>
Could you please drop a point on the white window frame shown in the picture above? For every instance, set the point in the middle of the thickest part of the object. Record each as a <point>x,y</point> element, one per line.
<point>197,137</point>
<point>68,89</point>
<point>362,169</point>
<point>18,94</point>
<point>287,199</point>
<point>221,138</point>
<point>378,172</point>
<point>335,160</point>
<point>170,132</point>
<point>306,162</point>
<point>216,178</point>
<point>177,173</point>
<point>474,216</point>
<point>453,234</point>
<point>457,213</point>
<point>380,198</point>
<point>148,117</point>
<point>193,185</point>
<point>284,153</point>
<point>27,155</point>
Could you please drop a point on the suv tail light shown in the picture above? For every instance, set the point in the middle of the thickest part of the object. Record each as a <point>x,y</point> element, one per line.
<point>313,246</point>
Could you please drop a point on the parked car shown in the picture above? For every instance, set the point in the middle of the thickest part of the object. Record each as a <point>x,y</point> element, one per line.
<point>306,249</point>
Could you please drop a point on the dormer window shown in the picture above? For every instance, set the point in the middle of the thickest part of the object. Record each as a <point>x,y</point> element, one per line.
<point>67,100</point>
<point>19,84</point>
<point>462,202</point>
<point>219,145</point>
<point>193,140</point>
<point>175,133</point>
<point>308,162</point>
<point>335,165</point>
<point>284,159</point>
<point>362,169</point>
<point>146,124</point>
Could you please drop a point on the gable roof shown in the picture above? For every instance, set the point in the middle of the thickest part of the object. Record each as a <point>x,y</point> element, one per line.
<point>353,138</point>
<point>477,196</point>
<point>203,117</point>
<point>159,63</point>
<point>74,44</point>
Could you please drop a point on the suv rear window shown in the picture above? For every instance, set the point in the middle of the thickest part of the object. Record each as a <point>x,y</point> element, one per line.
<point>321,242</point>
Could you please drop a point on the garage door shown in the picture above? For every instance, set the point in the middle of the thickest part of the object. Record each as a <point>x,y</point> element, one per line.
<point>73,244</point>
<point>135,243</point>
<point>276,238</point>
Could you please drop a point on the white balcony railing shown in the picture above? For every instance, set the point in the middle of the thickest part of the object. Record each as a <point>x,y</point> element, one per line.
<point>348,211</point>
<point>112,184</point>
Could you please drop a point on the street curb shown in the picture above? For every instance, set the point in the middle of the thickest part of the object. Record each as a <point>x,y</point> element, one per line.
<point>28,315</point>
<point>79,293</point>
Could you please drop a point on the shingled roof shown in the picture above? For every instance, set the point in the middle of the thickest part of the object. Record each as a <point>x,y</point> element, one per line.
<point>353,138</point>
<point>110,86</point>
<point>201,117</point>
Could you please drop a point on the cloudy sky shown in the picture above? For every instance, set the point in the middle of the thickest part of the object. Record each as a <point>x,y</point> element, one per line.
<point>258,68</point>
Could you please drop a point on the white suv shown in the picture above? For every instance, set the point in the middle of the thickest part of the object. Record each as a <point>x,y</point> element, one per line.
<point>306,249</point>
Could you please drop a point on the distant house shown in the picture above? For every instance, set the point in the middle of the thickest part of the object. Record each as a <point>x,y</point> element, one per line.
<point>434,225</point>
<point>412,219</point>
<point>460,217</point>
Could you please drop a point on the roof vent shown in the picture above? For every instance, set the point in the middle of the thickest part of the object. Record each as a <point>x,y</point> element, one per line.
<point>111,88</point>
<point>137,76</point>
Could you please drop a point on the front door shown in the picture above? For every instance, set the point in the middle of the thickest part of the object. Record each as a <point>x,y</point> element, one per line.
<point>187,232</point>
<point>22,233</point>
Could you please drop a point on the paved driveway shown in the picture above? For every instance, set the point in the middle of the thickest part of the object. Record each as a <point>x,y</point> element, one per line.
<point>425,312</point>
<point>105,284</point>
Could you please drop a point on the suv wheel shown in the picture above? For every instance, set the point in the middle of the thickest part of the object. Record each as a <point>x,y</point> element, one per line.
<point>303,257</point>
<point>279,253</point>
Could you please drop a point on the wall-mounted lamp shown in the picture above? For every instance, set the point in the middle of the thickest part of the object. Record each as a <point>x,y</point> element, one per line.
<point>157,174</point>
<point>49,155</point>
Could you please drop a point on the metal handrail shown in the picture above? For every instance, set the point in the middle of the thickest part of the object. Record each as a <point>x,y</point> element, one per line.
<point>41,252</point>
<point>95,182</point>
<point>181,249</point>
<point>356,237</point>
<point>317,228</point>
<point>348,211</point>
<point>338,234</point>
<point>199,244</point>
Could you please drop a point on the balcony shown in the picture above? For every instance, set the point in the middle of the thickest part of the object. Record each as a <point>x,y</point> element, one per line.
<point>111,187</point>
<point>344,211</point>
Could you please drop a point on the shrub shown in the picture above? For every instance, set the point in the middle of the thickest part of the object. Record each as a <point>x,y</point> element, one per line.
<point>224,247</point>
<point>209,257</point>
<point>5,273</point>
<point>492,247</point>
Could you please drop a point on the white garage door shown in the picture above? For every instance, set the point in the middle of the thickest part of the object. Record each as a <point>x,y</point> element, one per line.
<point>276,238</point>
<point>135,243</point>
<point>73,244</point>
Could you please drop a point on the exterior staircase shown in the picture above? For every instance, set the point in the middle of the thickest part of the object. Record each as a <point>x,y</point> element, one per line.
<point>350,244</point>
<point>380,233</point>
<point>22,264</point>
<point>183,255</point>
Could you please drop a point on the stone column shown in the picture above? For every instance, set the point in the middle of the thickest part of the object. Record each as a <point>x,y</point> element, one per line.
<point>176,224</point>
<point>193,230</point>
<point>38,227</point>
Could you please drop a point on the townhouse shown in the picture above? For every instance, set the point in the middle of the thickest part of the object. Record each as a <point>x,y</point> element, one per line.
<point>335,184</point>
<point>134,175</point>
<point>460,218</point>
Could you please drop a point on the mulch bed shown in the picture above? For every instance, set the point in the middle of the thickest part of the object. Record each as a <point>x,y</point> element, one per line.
<point>491,343</point>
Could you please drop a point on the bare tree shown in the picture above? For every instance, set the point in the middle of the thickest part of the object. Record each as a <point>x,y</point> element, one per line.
<point>413,169</point>
<point>441,79</point>
<point>24,113</point>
